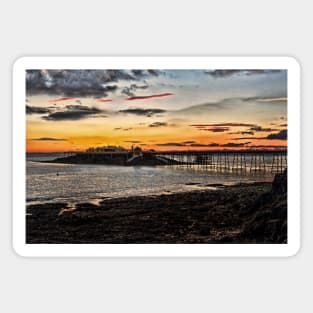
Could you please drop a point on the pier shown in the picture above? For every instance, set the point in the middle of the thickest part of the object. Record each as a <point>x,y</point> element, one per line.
<point>210,160</point>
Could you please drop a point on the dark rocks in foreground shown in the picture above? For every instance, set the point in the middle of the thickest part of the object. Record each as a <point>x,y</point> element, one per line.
<point>246,213</point>
<point>268,219</point>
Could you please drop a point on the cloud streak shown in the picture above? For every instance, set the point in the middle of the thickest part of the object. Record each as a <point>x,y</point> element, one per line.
<point>72,113</point>
<point>171,144</point>
<point>215,129</point>
<point>272,99</point>
<point>62,99</point>
<point>133,141</point>
<point>48,139</point>
<point>197,144</point>
<point>36,110</point>
<point>130,91</point>
<point>282,135</point>
<point>158,124</point>
<point>223,125</point>
<point>230,72</point>
<point>142,112</point>
<point>150,96</point>
<point>262,129</point>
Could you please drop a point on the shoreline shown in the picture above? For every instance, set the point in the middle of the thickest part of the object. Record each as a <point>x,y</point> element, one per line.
<point>194,187</point>
<point>243,213</point>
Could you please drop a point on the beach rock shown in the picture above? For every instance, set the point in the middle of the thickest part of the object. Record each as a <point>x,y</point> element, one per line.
<point>268,222</point>
<point>205,231</point>
<point>279,185</point>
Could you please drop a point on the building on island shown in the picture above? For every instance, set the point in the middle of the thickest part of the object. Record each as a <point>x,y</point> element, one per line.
<point>106,149</point>
<point>137,152</point>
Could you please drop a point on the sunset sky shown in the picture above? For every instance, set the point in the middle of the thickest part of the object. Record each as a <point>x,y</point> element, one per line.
<point>69,110</point>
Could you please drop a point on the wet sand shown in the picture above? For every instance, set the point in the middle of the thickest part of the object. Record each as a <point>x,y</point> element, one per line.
<point>245,213</point>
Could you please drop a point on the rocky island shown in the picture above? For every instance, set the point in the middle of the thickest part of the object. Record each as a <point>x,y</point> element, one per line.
<point>112,155</point>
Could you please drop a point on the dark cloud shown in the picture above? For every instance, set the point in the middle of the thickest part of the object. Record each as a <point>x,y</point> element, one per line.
<point>282,135</point>
<point>248,138</point>
<point>233,144</point>
<point>121,128</point>
<point>223,125</point>
<point>216,129</point>
<point>228,73</point>
<point>200,145</point>
<point>189,142</point>
<point>145,73</point>
<point>283,125</point>
<point>248,132</point>
<point>197,144</point>
<point>72,112</point>
<point>70,83</point>
<point>133,141</point>
<point>261,129</point>
<point>158,124</point>
<point>267,147</point>
<point>279,98</point>
<point>48,139</point>
<point>135,86</point>
<point>171,144</point>
<point>79,83</point>
<point>143,112</point>
<point>36,110</point>
<point>154,72</point>
<point>138,73</point>
<point>130,91</point>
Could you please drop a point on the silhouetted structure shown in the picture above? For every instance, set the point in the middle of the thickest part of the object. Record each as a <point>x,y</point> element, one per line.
<point>217,160</point>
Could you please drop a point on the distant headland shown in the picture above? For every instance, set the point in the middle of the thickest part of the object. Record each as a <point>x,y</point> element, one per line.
<point>114,155</point>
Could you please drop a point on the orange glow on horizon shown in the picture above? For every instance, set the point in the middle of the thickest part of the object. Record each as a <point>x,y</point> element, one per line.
<point>37,146</point>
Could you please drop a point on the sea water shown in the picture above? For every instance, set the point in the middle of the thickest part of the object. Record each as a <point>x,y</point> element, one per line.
<point>74,183</point>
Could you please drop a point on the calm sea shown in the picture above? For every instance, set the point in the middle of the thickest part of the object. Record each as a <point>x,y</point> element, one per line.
<point>91,183</point>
